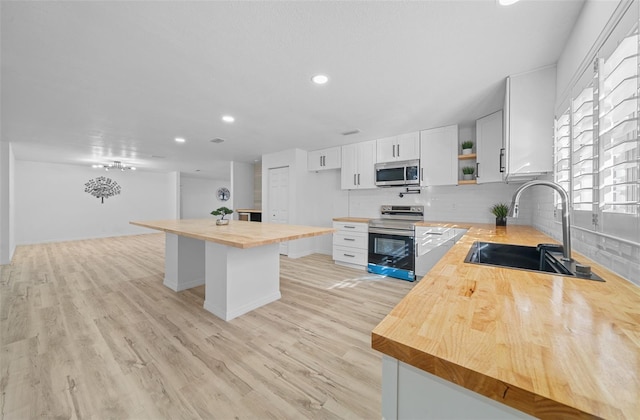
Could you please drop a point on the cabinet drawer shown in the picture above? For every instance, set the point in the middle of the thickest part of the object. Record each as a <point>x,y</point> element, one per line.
<point>351,227</point>
<point>350,255</point>
<point>352,240</point>
<point>433,230</point>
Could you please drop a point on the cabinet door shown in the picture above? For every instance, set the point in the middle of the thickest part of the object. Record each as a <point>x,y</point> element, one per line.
<point>386,149</point>
<point>408,146</point>
<point>332,158</point>
<point>489,148</point>
<point>315,160</point>
<point>528,124</point>
<point>366,164</point>
<point>439,156</point>
<point>348,175</point>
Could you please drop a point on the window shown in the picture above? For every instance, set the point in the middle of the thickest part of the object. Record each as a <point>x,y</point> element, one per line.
<point>597,143</point>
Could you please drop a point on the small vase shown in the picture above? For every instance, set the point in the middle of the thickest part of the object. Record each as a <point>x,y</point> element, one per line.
<point>467,177</point>
<point>501,221</point>
<point>466,151</point>
<point>221,222</point>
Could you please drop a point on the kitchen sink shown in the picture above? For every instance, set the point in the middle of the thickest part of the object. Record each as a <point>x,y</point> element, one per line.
<point>545,258</point>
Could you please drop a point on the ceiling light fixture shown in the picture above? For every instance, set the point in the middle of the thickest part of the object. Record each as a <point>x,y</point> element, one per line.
<point>115,166</point>
<point>180,140</point>
<point>320,79</point>
<point>228,118</point>
<point>507,2</point>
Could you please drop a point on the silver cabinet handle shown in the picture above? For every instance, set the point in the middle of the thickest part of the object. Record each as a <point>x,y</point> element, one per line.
<point>354,179</point>
<point>477,169</point>
<point>349,227</point>
<point>349,255</point>
<point>349,239</point>
<point>358,179</point>
<point>394,150</point>
<point>502,168</point>
<point>398,150</point>
<point>421,174</point>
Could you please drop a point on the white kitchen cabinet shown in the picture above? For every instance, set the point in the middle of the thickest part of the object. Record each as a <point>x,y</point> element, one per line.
<point>319,160</point>
<point>358,162</point>
<point>489,148</point>
<point>432,242</point>
<point>528,124</point>
<point>351,244</point>
<point>439,156</point>
<point>397,148</point>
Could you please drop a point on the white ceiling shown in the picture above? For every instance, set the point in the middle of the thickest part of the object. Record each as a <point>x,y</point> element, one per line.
<point>92,82</point>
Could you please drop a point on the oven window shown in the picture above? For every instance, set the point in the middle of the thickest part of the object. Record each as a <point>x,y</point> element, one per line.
<point>391,174</point>
<point>391,247</point>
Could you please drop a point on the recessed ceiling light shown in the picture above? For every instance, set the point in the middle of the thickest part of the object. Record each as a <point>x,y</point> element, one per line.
<point>320,79</point>
<point>228,118</point>
<point>507,2</point>
<point>180,140</point>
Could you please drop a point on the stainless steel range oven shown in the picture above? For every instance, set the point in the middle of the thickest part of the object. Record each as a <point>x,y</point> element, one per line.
<point>392,241</point>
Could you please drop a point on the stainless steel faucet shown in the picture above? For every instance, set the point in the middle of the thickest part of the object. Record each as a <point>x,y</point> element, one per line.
<point>566,224</point>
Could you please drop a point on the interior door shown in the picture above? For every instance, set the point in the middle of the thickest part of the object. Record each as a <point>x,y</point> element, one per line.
<point>279,200</point>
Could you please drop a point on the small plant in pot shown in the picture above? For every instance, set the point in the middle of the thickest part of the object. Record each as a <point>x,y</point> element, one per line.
<point>466,147</point>
<point>500,210</point>
<point>467,172</point>
<point>222,211</point>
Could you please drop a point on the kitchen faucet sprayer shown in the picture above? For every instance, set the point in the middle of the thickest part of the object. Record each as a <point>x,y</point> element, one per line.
<point>564,197</point>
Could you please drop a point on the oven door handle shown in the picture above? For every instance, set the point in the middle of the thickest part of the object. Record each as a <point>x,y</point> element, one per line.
<point>397,232</point>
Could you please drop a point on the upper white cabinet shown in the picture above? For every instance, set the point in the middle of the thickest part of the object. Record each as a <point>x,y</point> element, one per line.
<point>439,156</point>
<point>529,124</point>
<point>401,147</point>
<point>489,149</point>
<point>319,160</point>
<point>358,162</point>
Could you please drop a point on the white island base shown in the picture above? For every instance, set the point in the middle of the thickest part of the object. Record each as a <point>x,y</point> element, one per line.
<point>236,280</point>
<point>412,393</point>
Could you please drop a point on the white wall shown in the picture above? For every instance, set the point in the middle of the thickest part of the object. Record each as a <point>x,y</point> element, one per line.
<point>7,208</point>
<point>241,186</point>
<point>198,196</point>
<point>51,205</point>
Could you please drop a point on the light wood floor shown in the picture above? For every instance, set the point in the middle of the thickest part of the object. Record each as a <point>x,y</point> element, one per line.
<point>89,331</point>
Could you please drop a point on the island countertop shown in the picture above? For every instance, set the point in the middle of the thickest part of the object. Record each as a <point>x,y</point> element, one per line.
<point>238,233</point>
<point>548,345</point>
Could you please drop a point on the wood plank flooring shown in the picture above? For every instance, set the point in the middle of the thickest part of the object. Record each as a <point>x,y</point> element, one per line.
<point>87,330</point>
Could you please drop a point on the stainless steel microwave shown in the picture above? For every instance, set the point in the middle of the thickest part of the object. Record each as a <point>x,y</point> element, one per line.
<point>394,174</point>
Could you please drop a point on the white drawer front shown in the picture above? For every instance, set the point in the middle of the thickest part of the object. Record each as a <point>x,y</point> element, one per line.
<point>434,230</point>
<point>350,255</point>
<point>351,227</point>
<point>355,240</point>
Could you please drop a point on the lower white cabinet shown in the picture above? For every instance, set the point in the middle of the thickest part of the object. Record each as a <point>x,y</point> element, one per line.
<point>432,242</point>
<point>411,393</point>
<point>351,244</point>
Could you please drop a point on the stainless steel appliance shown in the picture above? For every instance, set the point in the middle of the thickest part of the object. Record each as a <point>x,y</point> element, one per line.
<point>393,174</point>
<point>392,241</point>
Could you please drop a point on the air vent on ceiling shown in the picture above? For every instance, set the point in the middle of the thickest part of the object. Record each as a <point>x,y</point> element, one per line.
<point>156,157</point>
<point>348,133</point>
<point>217,140</point>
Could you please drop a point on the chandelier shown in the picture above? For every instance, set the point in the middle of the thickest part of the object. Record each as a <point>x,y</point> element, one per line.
<point>116,165</point>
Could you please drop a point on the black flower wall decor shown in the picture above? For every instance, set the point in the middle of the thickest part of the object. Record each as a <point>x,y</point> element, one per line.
<point>102,187</point>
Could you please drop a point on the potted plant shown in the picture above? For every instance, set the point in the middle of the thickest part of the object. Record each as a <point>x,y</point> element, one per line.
<point>222,211</point>
<point>466,147</point>
<point>500,210</point>
<point>467,172</point>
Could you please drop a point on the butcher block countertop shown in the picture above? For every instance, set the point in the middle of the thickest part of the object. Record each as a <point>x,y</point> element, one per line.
<point>548,345</point>
<point>238,233</point>
<point>351,219</point>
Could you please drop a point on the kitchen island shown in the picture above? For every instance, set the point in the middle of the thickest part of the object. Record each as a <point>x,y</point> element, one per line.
<point>238,263</point>
<point>518,343</point>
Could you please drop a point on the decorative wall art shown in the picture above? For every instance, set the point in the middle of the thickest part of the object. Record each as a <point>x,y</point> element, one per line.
<point>102,187</point>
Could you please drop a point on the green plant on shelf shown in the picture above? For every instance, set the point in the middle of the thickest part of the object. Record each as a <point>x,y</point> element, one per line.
<point>468,170</point>
<point>467,144</point>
